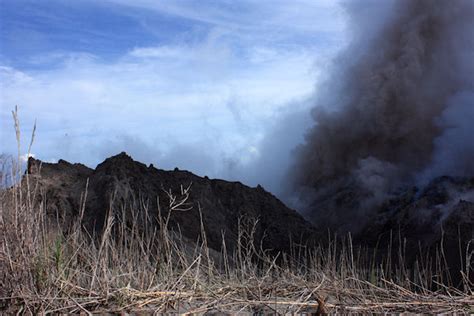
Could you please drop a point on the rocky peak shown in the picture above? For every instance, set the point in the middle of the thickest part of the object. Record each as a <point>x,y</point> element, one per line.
<point>38,167</point>
<point>120,165</point>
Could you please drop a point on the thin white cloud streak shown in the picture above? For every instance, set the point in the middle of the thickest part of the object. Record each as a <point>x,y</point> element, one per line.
<point>296,16</point>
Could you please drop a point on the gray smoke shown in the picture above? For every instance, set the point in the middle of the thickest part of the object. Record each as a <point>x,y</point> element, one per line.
<point>398,109</point>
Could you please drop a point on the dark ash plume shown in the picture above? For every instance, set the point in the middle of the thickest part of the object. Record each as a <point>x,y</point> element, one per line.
<point>397,110</point>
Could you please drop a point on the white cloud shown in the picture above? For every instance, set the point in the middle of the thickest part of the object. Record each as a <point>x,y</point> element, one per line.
<point>24,158</point>
<point>13,76</point>
<point>297,15</point>
<point>157,52</point>
<point>184,101</point>
<point>204,103</point>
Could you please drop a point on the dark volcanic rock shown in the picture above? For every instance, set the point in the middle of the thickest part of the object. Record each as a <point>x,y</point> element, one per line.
<point>122,183</point>
<point>422,217</point>
<point>435,221</point>
<point>438,221</point>
<point>440,214</point>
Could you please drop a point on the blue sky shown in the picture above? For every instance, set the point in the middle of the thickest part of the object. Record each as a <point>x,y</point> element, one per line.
<point>222,88</point>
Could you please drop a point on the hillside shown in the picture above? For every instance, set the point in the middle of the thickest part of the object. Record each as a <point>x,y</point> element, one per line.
<point>76,239</point>
<point>120,181</point>
<point>418,220</point>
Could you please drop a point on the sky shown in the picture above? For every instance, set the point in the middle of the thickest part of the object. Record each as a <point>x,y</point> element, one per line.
<point>221,88</point>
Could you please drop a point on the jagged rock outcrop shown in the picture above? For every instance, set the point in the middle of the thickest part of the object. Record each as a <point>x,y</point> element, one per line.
<point>120,183</point>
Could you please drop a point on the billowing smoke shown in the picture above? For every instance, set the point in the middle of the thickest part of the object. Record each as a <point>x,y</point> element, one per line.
<point>397,109</point>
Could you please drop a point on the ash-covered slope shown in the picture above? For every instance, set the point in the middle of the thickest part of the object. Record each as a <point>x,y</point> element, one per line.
<point>122,183</point>
<point>444,208</point>
<point>433,226</point>
<point>442,212</point>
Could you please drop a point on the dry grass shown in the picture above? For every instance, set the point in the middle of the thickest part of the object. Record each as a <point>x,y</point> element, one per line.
<point>137,266</point>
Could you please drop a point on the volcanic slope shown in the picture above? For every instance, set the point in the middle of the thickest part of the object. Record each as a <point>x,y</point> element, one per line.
<point>132,190</point>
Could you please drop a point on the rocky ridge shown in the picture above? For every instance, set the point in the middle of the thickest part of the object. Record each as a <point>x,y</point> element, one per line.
<point>120,182</point>
<point>440,214</point>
